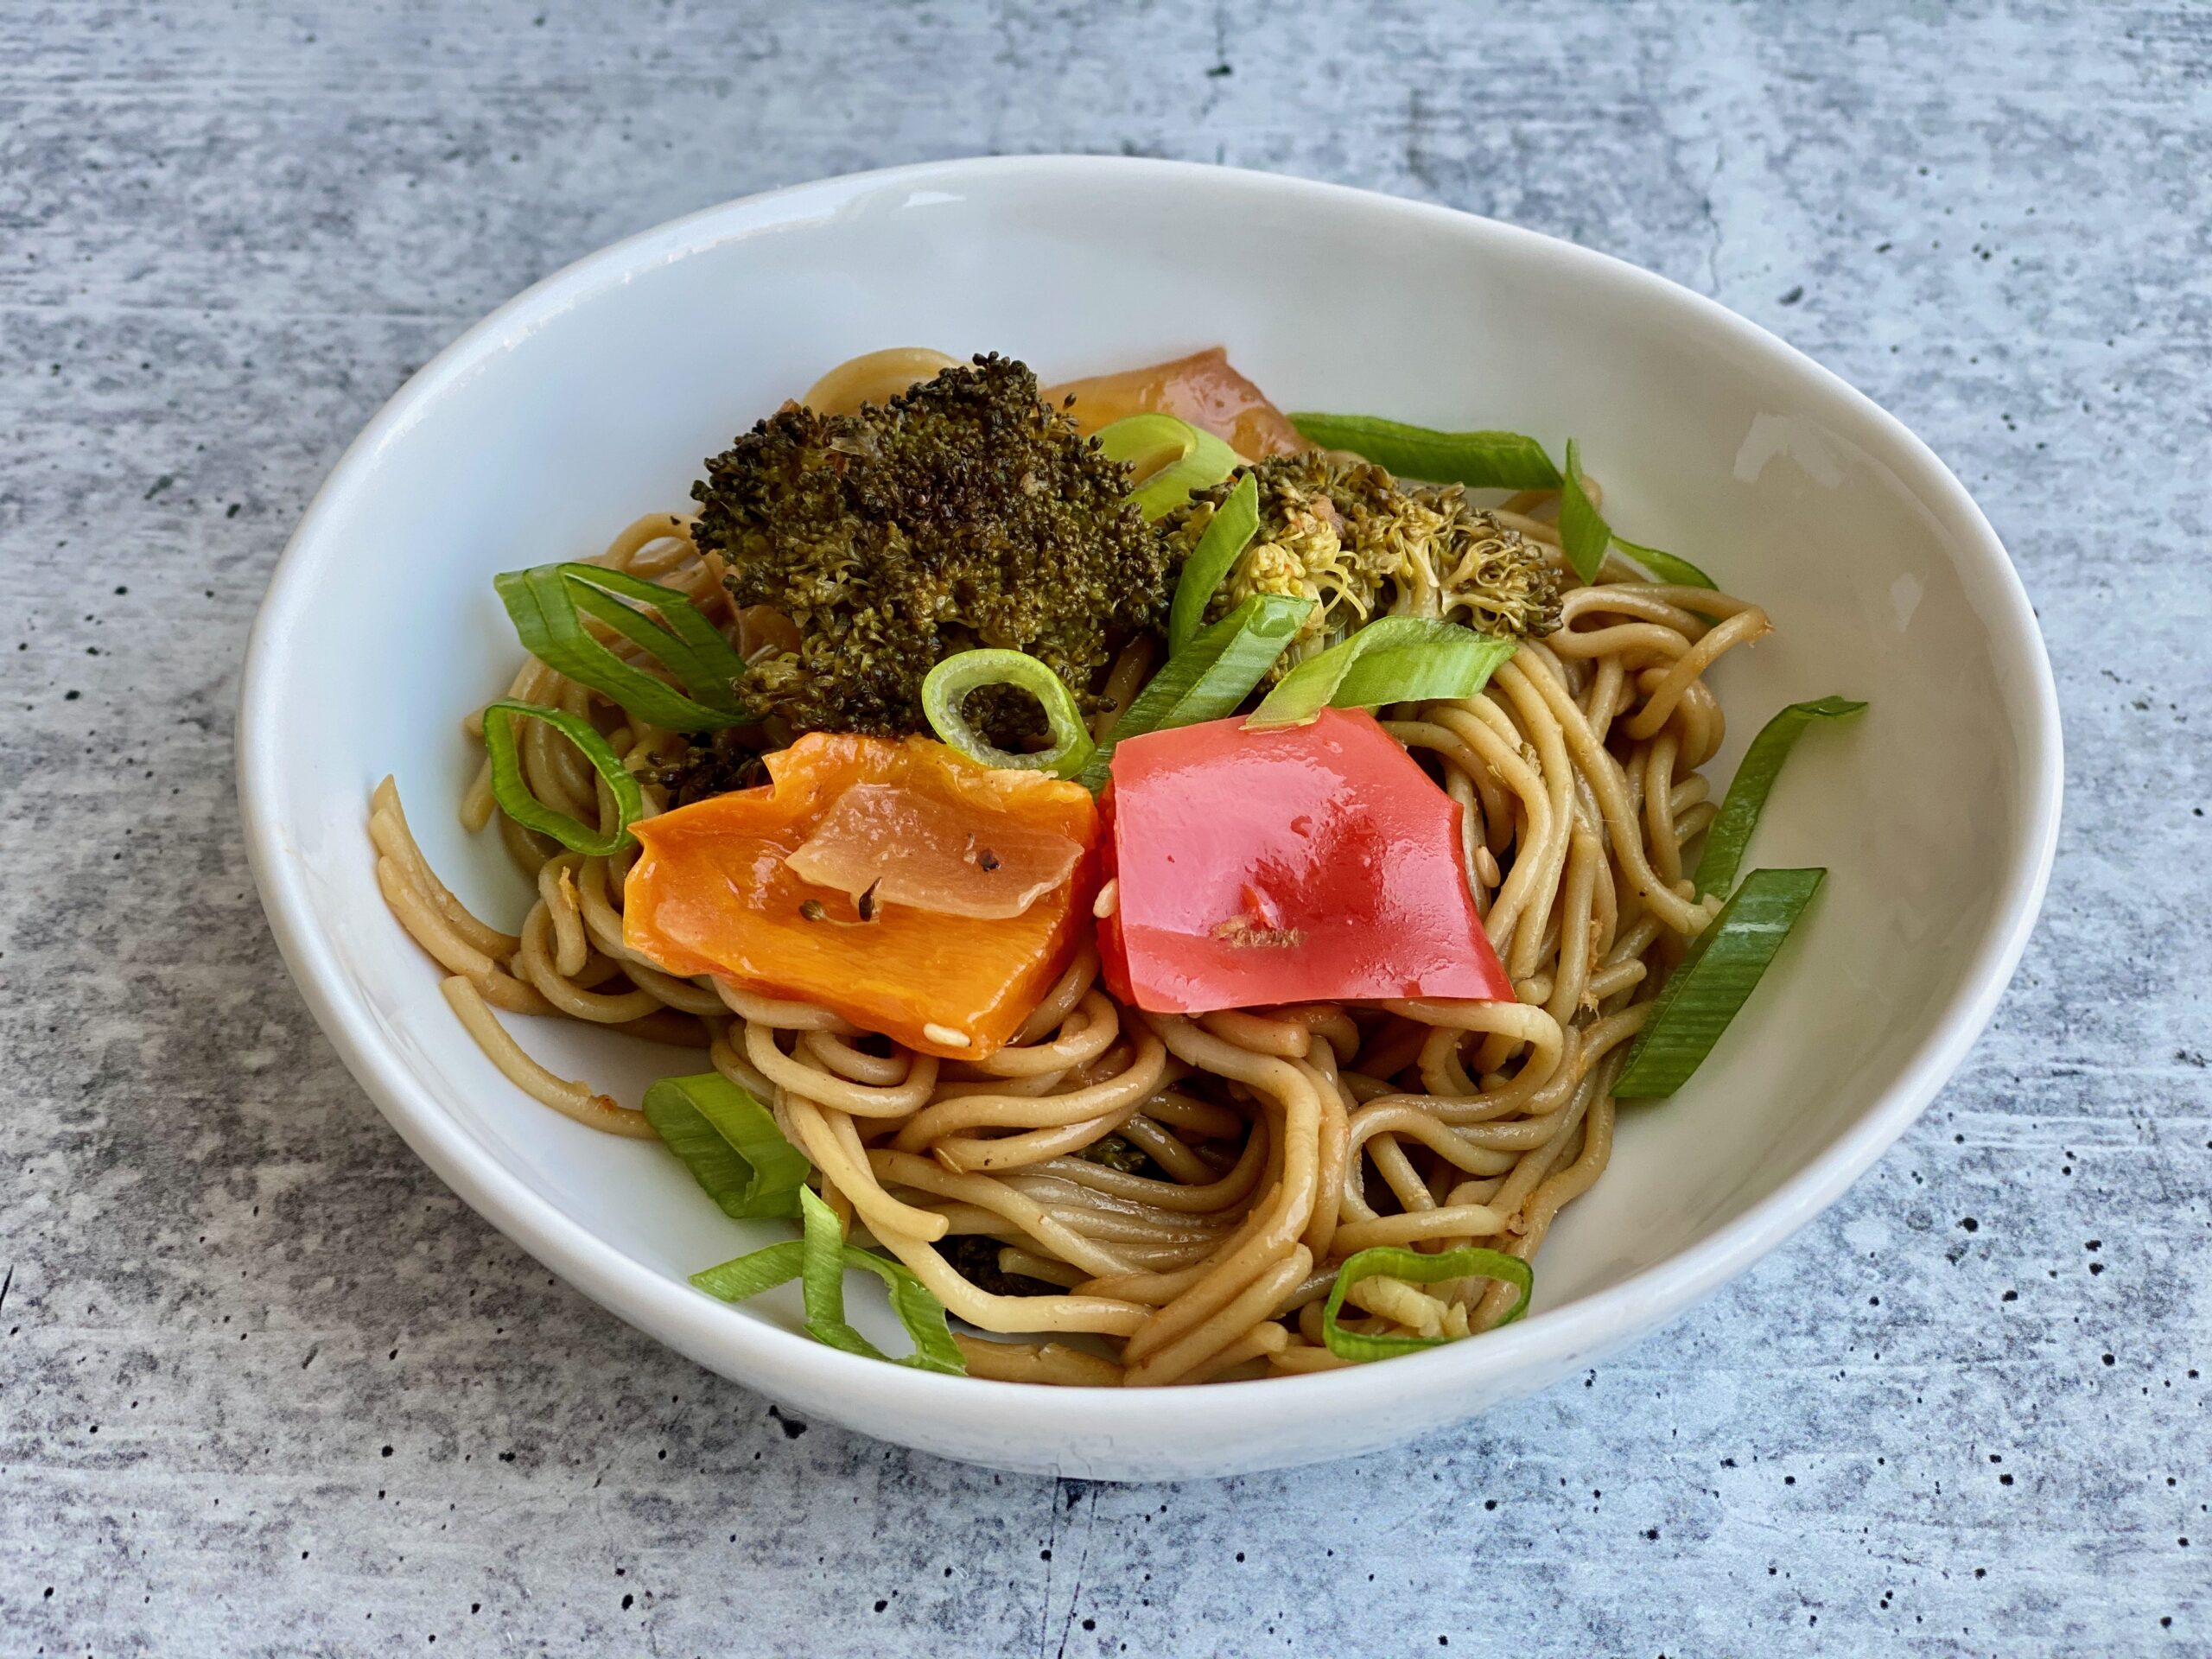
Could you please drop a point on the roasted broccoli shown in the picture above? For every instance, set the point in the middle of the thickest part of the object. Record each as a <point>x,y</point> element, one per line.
<point>1346,533</point>
<point>963,513</point>
<point>975,1257</point>
<point>1117,1153</point>
<point>714,766</point>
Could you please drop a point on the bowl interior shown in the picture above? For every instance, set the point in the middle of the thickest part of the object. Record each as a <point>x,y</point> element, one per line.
<point>592,400</point>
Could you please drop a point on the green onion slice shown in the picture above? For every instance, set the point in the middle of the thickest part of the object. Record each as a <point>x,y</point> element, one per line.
<point>819,1261</point>
<point>1583,532</point>
<point>730,1144</point>
<point>1392,659</point>
<point>1674,571</point>
<point>1714,980</point>
<point>1585,535</point>
<point>525,809</point>
<point>1208,677</point>
<point>1731,831</point>
<point>822,1278</point>
<point>1231,530</point>
<point>1412,1265</point>
<point>1171,458</point>
<point>946,688</point>
<point>546,603</point>
<point>1482,461</point>
<point>747,1276</point>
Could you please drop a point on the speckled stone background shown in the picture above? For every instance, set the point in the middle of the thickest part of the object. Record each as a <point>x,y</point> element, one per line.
<point>266,1388</point>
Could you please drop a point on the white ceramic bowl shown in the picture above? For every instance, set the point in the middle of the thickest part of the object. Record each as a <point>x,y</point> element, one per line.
<point>591,398</point>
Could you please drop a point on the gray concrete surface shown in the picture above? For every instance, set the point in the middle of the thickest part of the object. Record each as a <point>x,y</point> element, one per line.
<point>266,1388</point>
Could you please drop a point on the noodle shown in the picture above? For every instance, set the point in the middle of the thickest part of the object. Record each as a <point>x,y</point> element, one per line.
<point>1276,1142</point>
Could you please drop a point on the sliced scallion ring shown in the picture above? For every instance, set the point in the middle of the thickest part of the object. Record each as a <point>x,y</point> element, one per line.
<point>946,688</point>
<point>513,795</point>
<point>1714,980</point>
<point>1420,1269</point>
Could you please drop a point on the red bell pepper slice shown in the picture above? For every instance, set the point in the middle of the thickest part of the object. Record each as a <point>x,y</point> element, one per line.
<point>1310,863</point>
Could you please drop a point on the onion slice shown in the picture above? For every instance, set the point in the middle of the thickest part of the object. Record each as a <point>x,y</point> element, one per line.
<point>917,850</point>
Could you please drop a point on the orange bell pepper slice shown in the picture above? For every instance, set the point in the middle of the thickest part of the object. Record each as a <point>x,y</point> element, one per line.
<point>1202,389</point>
<point>711,893</point>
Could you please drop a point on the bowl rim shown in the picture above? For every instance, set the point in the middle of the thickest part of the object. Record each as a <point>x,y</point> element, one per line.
<point>791,1366</point>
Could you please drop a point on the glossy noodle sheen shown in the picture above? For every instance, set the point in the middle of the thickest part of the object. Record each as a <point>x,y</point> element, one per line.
<point>1270,1144</point>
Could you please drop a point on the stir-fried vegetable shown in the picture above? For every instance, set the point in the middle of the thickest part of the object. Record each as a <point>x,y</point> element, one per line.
<point>1220,544</point>
<point>1315,863</point>
<point>963,513</point>
<point>945,691</point>
<point>544,602</point>
<point>1585,537</point>
<point>1360,545</point>
<point>1730,832</point>
<point>1395,659</point>
<point>727,1140</point>
<point>716,891</point>
<point>1208,678</point>
<point>822,1280</point>
<point>1669,568</point>
<point>1583,533</point>
<point>820,1261</point>
<point>1168,459</point>
<point>1202,389</point>
<point>1716,979</point>
<point>1481,461</point>
<point>1419,1268</point>
<point>511,791</point>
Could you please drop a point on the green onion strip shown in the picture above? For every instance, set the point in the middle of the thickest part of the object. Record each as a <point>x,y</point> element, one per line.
<point>1226,534</point>
<point>1730,832</point>
<point>1497,460</point>
<point>1714,980</point>
<point>1208,677</point>
<point>1671,569</point>
<point>1583,533</point>
<point>513,795</point>
<point>546,604</point>
<point>947,687</point>
<point>827,1256</point>
<point>1473,1262</point>
<point>820,1261</point>
<point>748,1276</point>
<point>1482,461</point>
<point>1392,659</point>
<point>730,1144</point>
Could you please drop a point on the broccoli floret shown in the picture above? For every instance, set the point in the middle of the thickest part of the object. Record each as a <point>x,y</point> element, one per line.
<point>1347,534</point>
<point>975,1257</point>
<point>963,513</point>
<point>723,762</point>
<point>1117,1153</point>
